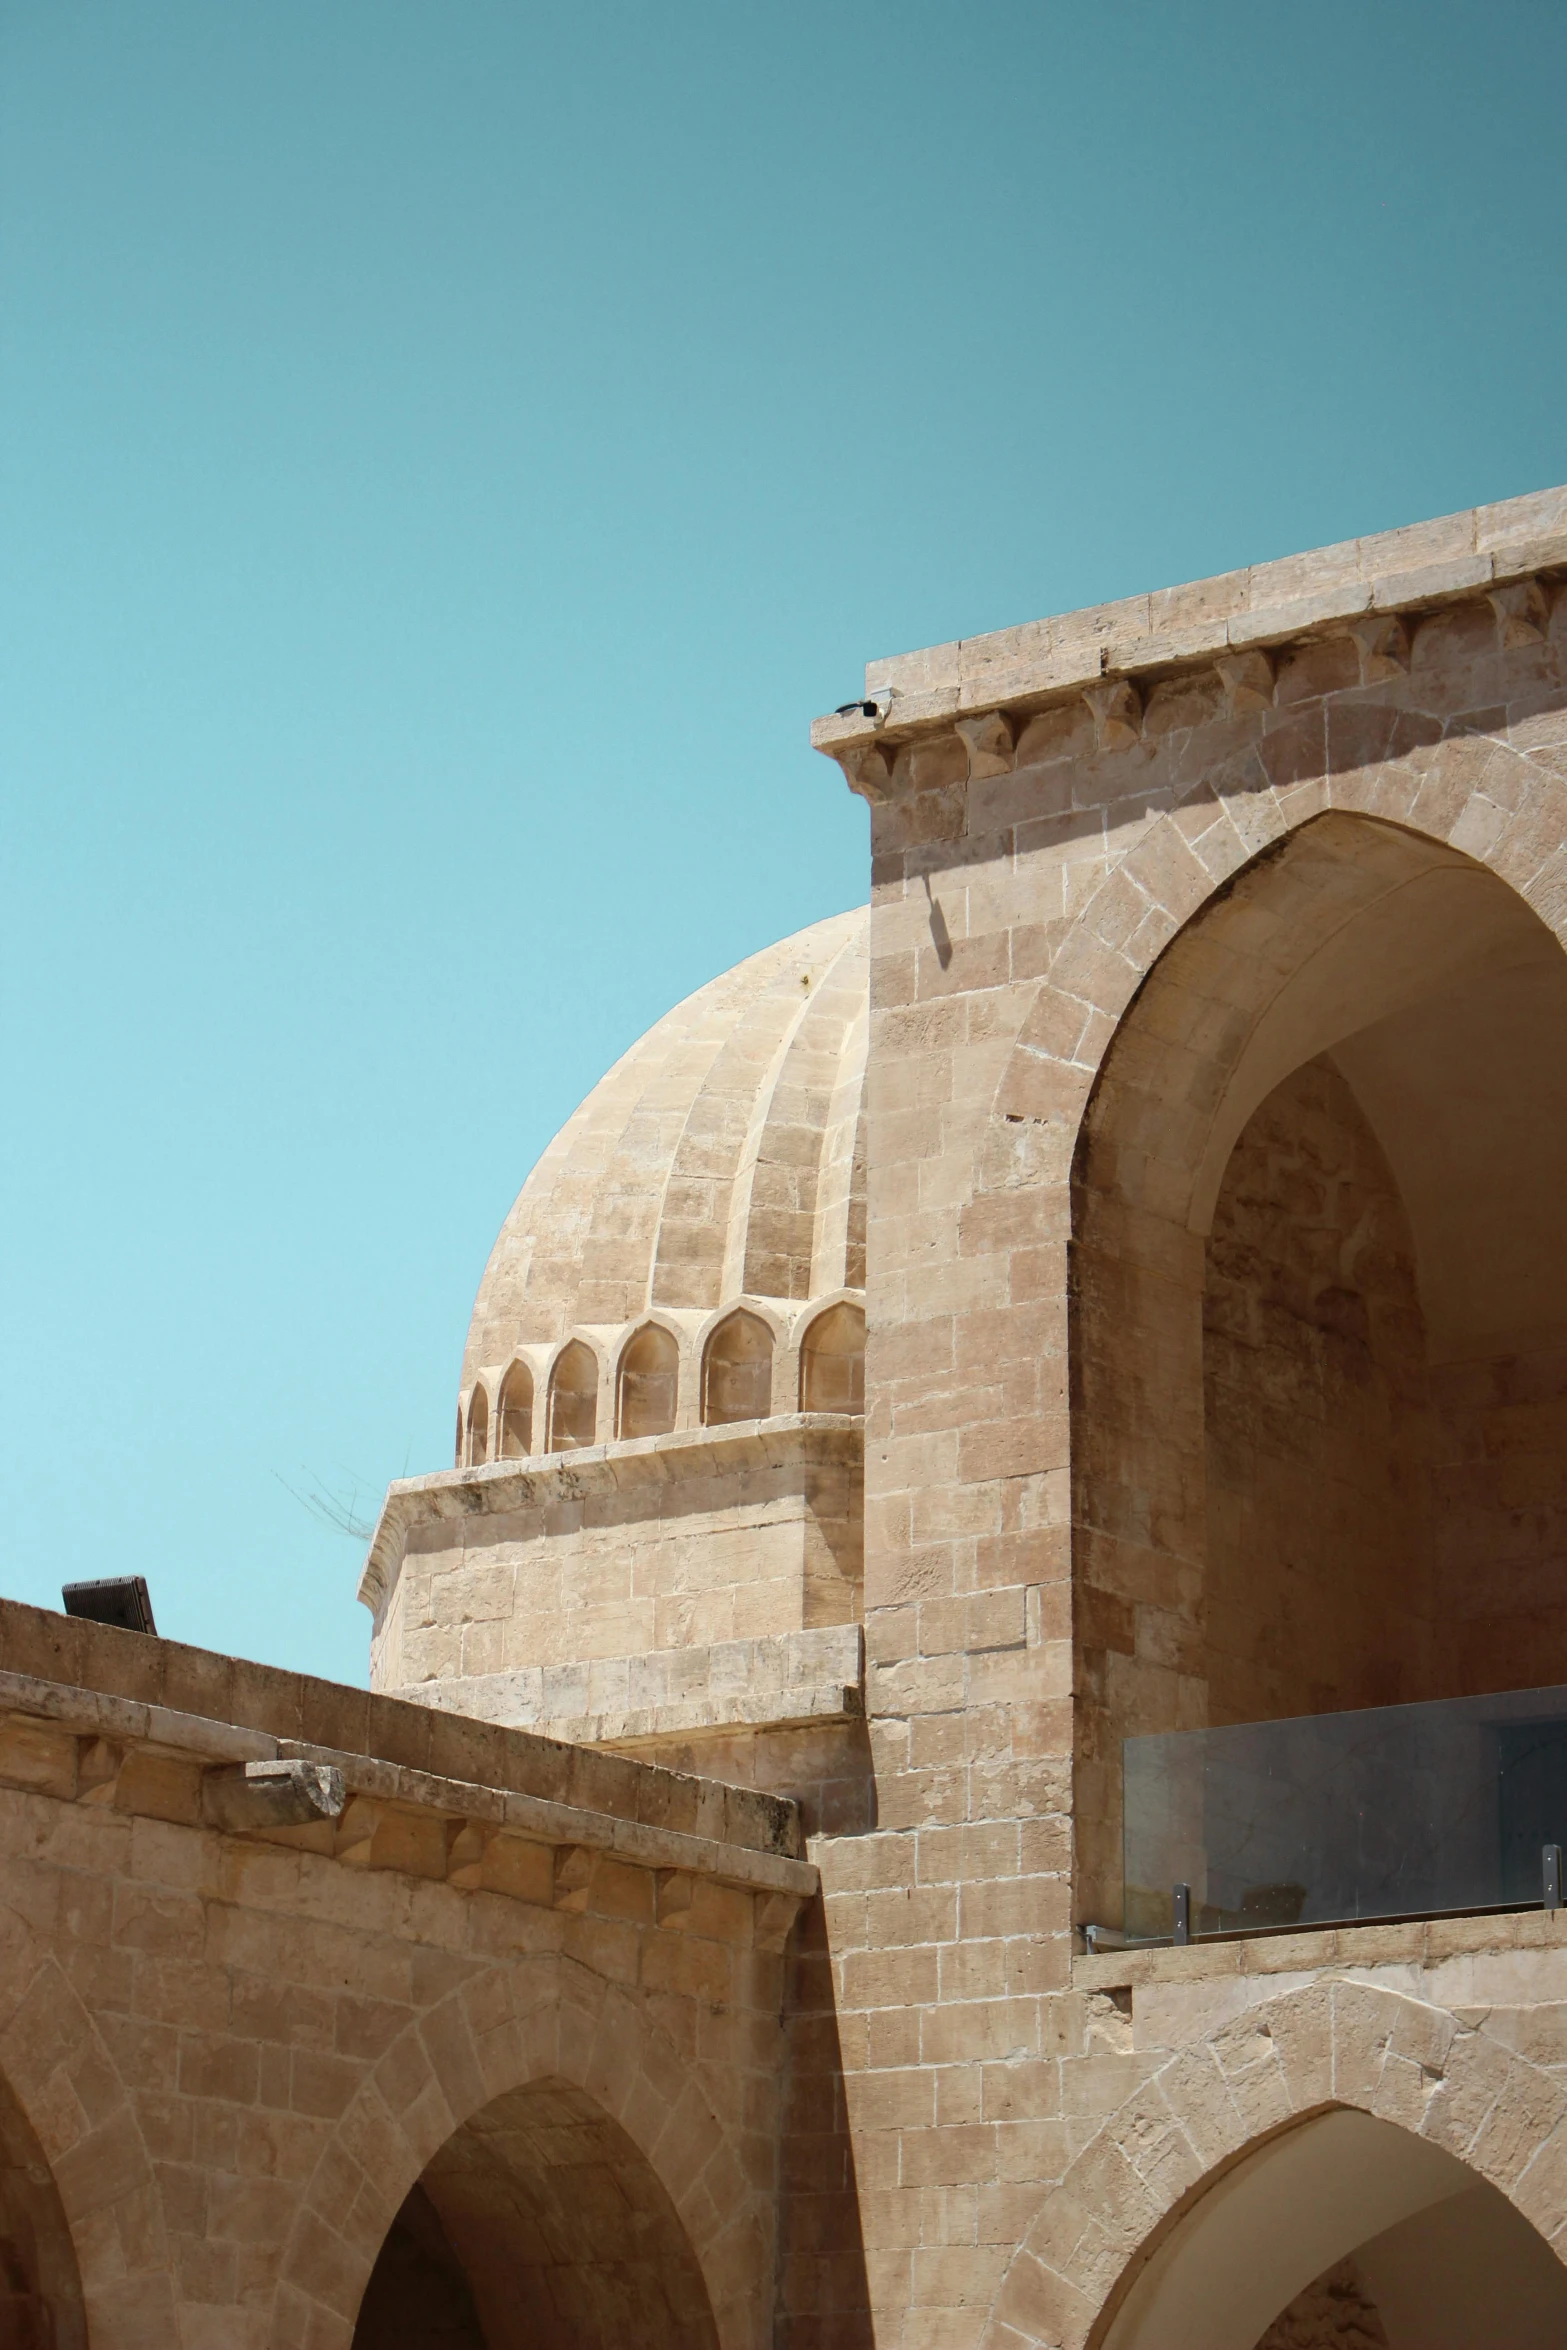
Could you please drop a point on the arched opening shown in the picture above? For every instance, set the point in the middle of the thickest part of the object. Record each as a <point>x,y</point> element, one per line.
<point>737,1371</point>
<point>574,1394</point>
<point>1319,1370</point>
<point>478,1428</point>
<point>538,2226</point>
<point>649,1383</point>
<point>40,2289</point>
<point>515,1415</point>
<point>832,1362</point>
<point>1342,2231</point>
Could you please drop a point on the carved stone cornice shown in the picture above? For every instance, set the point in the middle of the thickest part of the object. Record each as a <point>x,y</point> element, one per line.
<point>982,688</point>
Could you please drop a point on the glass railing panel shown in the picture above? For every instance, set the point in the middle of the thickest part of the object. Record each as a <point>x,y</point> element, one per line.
<point>1325,1819</point>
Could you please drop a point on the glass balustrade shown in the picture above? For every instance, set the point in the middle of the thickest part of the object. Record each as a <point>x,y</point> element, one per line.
<point>1392,1811</point>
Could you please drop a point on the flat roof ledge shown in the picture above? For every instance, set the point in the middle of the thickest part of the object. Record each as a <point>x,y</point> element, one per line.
<point>1421,566</point>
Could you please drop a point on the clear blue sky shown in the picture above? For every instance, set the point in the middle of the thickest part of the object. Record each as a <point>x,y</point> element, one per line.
<point>448,454</point>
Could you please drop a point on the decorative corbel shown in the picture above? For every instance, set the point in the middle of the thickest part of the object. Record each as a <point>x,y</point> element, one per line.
<point>990,741</point>
<point>1118,714</point>
<point>1522,613</point>
<point>867,770</point>
<point>1383,644</point>
<point>98,1763</point>
<point>574,1865</point>
<point>673,1898</point>
<point>774,1915</point>
<point>1247,679</point>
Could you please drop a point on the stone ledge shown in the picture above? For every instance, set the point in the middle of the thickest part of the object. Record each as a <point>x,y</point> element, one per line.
<point>785,1680</point>
<point>118,1722</point>
<point>248,1711</point>
<point>793,1440</point>
<point>1424,565</point>
<point>1408,1942</point>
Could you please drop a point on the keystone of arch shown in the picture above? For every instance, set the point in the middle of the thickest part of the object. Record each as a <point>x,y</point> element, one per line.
<point>1332,2044</point>
<point>506,2027</point>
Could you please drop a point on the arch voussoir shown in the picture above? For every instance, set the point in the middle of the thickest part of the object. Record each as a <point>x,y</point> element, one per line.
<point>1540,2191</point>
<point>69,2090</point>
<point>1488,800</point>
<point>1338,2043</point>
<point>542,2019</point>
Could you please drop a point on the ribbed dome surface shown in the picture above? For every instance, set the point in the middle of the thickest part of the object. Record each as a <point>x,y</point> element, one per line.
<point>723,1155</point>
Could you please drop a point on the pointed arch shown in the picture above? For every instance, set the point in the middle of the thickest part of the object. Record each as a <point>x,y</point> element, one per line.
<point>573,1398</point>
<point>832,1359</point>
<point>1456,811</point>
<point>62,2098</point>
<point>737,1370</point>
<point>1109,2236</point>
<point>474,2058</point>
<point>647,1382</point>
<point>514,1414</point>
<point>476,1450</point>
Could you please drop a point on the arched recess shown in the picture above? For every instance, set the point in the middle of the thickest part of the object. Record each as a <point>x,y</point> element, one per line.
<point>737,1370</point>
<point>514,1415</point>
<point>573,1398</point>
<point>1341,2124</point>
<point>1319,1344</point>
<point>832,1360</point>
<point>539,2225</point>
<point>533,2145</point>
<point>478,1447</point>
<point>648,1384</point>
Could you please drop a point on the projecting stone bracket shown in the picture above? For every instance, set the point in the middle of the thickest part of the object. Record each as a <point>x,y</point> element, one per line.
<point>867,770</point>
<point>574,1869</point>
<point>989,740</point>
<point>1522,613</point>
<point>1118,714</point>
<point>261,1795</point>
<point>1383,645</point>
<point>1247,679</point>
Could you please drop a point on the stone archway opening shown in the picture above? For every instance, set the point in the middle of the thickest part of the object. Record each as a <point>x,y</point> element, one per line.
<point>1320,1301</point>
<point>539,2225</point>
<point>1344,2233</point>
<point>40,2287</point>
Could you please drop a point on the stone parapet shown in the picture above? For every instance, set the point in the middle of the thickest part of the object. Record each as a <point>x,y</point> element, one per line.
<point>81,1746</point>
<point>1206,621</point>
<point>783,1682</point>
<point>598,1473</point>
<point>127,1688</point>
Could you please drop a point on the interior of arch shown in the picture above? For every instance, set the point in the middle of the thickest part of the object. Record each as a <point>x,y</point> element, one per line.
<point>1321,1331</point>
<point>1347,2233</point>
<point>538,2226</point>
<point>40,2287</point>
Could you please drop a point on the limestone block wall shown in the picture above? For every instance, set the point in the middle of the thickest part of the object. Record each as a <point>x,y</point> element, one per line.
<point>231,2055</point>
<point>1051,809</point>
<point>1334,2313</point>
<point>661,1586</point>
<point>1319,1583</point>
<point>1501,1519</point>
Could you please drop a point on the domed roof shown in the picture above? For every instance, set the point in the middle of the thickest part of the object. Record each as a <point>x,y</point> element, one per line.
<point>723,1156</point>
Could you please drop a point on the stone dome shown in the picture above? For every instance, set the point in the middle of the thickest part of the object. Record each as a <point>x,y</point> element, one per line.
<point>722,1157</point>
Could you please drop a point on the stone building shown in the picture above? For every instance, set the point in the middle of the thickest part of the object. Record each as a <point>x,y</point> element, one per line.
<point>973,1753</point>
